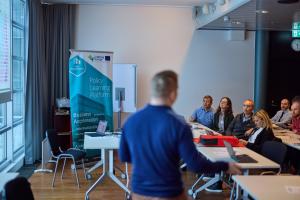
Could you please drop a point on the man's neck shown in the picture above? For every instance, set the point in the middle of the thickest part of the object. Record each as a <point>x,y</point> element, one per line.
<point>160,102</point>
<point>247,115</point>
<point>206,109</point>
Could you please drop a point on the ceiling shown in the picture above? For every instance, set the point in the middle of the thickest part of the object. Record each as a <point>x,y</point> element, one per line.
<point>135,2</point>
<point>279,16</point>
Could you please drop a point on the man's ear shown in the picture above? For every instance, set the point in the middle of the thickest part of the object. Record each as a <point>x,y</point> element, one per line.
<point>173,95</point>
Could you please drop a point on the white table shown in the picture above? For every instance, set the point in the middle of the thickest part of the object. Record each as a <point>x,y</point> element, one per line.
<point>269,187</point>
<point>199,129</point>
<point>6,177</point>
<point>215,154</point>
<point>288,137</point>
<point>107,144</point>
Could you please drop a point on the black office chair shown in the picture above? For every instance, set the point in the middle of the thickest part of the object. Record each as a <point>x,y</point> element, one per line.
<point>17,189</point>
<point>58,153</point>
<point>275,151</point>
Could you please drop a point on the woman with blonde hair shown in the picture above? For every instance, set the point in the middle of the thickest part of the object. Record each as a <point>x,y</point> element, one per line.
<point>261,133</point>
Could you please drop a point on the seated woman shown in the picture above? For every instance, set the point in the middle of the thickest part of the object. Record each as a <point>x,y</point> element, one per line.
<point>222,119</point>
<point>223,115</point>
<point>261,133</point>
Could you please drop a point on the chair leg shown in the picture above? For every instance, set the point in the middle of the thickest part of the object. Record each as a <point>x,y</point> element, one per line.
<point>84,172</point>
<point>54,175</point>
<point>76,172</point>
<point>123,175</point>
<point>232,192</point>
<point>63,169</point>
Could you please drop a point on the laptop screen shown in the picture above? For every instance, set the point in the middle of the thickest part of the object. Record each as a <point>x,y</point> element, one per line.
<point>238,158</point>
<point>229,149</point>
<point>101,126</point>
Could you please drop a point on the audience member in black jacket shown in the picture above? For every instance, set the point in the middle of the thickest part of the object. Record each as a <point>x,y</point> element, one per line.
<point>242,122</point>
<point>261,133</point>
<point>223,115</point>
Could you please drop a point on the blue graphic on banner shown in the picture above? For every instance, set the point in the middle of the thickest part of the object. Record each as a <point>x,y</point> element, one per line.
<point>90,95</point>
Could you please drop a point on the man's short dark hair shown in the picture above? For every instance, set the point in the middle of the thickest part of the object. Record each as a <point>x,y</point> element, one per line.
<point>164,83</point>
<point>286,100</point>
<point>296,99</point>
<point>208,97</point>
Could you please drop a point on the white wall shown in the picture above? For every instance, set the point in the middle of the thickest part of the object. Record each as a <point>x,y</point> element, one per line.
<point>218,67</point>
<point>157,38</point>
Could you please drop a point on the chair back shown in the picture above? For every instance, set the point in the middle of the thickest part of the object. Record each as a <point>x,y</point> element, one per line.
<point>53,139</point>
<point>275,151</point>
<point>18,188</point>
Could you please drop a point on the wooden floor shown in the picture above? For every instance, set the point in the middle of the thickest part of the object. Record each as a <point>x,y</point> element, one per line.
<point>107,190</point>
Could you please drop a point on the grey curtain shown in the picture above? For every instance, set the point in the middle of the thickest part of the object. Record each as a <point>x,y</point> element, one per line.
<point>59,32</point>
<point>36,84</point>
<point>49,40</point>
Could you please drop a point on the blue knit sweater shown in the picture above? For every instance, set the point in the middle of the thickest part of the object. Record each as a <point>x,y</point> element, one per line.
<point>154,140</point>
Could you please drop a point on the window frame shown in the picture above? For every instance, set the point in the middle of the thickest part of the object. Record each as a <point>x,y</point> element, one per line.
<point>3,131</point>
<point>21,58</point>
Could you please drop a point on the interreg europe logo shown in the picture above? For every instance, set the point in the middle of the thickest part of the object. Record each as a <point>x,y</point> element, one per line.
<point>77,67</point>
<point>99,58</point>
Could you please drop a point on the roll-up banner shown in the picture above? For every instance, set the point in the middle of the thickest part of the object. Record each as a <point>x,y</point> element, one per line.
<point>90,75</point>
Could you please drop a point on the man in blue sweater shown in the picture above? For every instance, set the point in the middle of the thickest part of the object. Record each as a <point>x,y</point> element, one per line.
<point>155,139</point>
<point>205,114</point>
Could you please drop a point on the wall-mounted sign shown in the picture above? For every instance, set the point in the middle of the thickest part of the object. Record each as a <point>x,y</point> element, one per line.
<point>296,30</point>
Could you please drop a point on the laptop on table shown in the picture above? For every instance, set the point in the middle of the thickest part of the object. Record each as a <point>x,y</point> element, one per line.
<point>100,129</point>
<point>243,158</point>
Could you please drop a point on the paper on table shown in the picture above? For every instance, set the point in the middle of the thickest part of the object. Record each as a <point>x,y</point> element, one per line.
<point>292,189</point>
<point>222,152</point>
<point>197,133</point>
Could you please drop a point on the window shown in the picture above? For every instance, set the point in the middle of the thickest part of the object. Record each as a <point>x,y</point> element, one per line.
<point>2,147</point>
<point>12,12</point>
<point>18,11</point>
<point>18,73</point>
<point>18,41</point>
<point>18,69</point>
<point>18,139</point>
<point>2,115</point>
<point>5,49</point>
<point>2,134</point>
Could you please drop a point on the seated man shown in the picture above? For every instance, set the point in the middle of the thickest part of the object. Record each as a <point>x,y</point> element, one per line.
<point>242,122</point>
<point>284,116</point>
<point>293,154</point>
<point>205,114</point>
<point>296,114</point>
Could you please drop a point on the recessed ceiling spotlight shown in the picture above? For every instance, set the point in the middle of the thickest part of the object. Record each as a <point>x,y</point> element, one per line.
<point>226,18</point>
<point>262,11</point>
<point>205,9</point>
<point>236,22</point>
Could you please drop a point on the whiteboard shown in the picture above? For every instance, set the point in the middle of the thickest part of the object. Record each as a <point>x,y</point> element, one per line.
<point>124,76</point>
